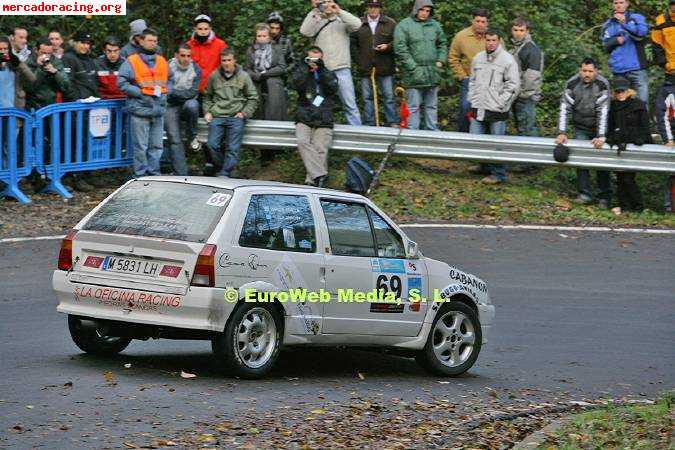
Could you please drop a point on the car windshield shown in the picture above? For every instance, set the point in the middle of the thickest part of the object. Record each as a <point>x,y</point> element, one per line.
<point>185,212</point>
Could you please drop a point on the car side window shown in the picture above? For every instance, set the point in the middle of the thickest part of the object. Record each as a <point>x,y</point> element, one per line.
<point>348,228</point>
<point>389,242</point>
<point>279,222</point>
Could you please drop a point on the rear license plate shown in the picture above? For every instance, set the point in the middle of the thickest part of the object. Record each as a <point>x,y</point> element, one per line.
<point>128,265</point>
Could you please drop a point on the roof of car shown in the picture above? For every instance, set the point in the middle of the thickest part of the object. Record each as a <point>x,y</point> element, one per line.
<point>236,183</point>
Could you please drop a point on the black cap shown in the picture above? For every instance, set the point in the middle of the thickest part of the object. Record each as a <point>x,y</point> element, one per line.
<point>561,153</point>
<point>82,36</point>
<point>621,84</point>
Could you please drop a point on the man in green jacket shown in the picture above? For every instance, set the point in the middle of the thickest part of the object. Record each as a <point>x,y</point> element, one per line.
<point>230,98</point>
<point>421,47</point>
<point>51,81</point>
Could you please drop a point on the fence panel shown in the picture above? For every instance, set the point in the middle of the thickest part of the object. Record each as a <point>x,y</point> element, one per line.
<point>16,151</point>
<point>76,137</point>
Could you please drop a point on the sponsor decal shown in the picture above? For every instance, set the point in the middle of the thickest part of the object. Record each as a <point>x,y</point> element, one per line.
<point>468,280</point>
<point>224,261</point>
<point>412,267</point>
<point>392,265</point>
<point>135,300</point>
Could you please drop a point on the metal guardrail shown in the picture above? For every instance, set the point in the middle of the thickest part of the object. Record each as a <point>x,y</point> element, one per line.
<point>463,146</point>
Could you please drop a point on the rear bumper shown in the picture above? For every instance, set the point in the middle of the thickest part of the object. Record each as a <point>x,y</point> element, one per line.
<point>198,309</point>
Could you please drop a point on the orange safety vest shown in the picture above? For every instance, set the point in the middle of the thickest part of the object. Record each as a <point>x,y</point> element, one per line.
<point>147,78</point>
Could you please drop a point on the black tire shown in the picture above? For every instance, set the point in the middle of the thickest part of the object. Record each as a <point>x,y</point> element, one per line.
<point>90,341</point>
<point>431,360</point>
<point>229,349</point>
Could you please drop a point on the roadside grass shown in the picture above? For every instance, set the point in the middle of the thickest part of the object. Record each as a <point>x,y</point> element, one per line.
<point>440,190</point>
<point>648,427</point>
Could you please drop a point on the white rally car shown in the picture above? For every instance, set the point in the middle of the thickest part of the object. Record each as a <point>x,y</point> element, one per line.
<point>253,265</point>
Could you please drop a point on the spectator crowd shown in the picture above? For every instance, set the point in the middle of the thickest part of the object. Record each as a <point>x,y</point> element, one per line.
<point>499,78</point>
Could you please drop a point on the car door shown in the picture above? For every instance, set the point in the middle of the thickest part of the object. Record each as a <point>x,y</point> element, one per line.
<point>367,254</point>
<point>277,245</point>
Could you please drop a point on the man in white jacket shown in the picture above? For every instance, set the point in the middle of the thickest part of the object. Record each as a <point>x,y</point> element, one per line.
<point>329,28</point>
<point>494,84</point>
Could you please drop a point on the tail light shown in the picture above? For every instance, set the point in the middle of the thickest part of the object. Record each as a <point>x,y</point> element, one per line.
<point>66,253</point>
<point>205,269</point>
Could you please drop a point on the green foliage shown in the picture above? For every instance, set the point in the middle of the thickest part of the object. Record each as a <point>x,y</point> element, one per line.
<point>566,30</point>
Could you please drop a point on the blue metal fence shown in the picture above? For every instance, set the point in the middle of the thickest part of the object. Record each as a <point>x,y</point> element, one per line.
<point>59,139</point>
<point>16,151</point>
<point>75,137</point>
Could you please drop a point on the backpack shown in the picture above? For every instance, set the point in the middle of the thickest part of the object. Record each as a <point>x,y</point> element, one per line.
<point>359,176</point>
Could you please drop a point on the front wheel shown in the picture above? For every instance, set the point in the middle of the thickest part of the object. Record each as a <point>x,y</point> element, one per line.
<point>249,346</point>
<point>92,341</point>
<point>454,341</point>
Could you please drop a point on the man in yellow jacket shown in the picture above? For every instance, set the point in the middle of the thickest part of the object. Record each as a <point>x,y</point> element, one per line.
<point>663,37</point>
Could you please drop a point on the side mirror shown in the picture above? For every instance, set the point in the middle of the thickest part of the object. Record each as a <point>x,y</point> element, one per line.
<point>413,250</point>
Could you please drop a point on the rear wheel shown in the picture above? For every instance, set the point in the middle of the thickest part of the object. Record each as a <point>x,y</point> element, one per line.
<point>454,341</point>
<point>249,346</point>
<point>91,340</point>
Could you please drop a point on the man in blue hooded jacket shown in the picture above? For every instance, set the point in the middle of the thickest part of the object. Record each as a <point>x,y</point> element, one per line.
<point>624,37</point>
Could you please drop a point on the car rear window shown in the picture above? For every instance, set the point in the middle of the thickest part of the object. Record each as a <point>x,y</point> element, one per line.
<point>185,212</point>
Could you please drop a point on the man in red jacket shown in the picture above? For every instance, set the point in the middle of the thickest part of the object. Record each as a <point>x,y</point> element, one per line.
<point>107,68</point>
<point>206,48</point>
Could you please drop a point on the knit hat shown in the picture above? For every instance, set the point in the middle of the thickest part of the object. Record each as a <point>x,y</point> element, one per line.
<point>561,153</point>
<point>275,17</point>
<point>136,28</point>
<point>82,36</point>
<point>202,18</point>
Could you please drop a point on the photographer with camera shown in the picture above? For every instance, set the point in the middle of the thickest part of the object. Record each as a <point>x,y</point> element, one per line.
<point>316,85</point>
<point>329,27</point>
<point>51,80</point>
<point>14,76</point>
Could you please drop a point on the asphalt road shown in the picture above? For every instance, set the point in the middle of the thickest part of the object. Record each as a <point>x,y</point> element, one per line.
<point>580,315</point>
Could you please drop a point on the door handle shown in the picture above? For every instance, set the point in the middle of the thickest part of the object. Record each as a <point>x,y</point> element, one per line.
<point>322,273</point>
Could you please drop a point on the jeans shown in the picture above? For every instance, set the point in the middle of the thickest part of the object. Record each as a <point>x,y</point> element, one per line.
<point>348,95</point>
<point>146,137</point>
<point>463,124</point>
<point>639,81</point>
<point>426,98</point>
<point>584,175</point>
<point>385,86</point>
<point>496,128</point>
<point>233,129</point>
<point>172,125</point>
<point>525,113</point>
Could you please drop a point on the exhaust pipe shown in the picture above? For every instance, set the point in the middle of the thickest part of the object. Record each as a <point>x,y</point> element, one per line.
<point>103,329</point>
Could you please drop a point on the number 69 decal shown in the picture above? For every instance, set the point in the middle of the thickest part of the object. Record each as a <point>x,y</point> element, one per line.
<point>392,284</point>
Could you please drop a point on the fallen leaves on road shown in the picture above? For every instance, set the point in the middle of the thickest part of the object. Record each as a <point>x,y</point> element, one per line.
<point>109,378</point>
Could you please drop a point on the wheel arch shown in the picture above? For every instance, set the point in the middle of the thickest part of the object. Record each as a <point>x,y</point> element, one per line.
<point>262,286</point>
<point>467,300</point>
